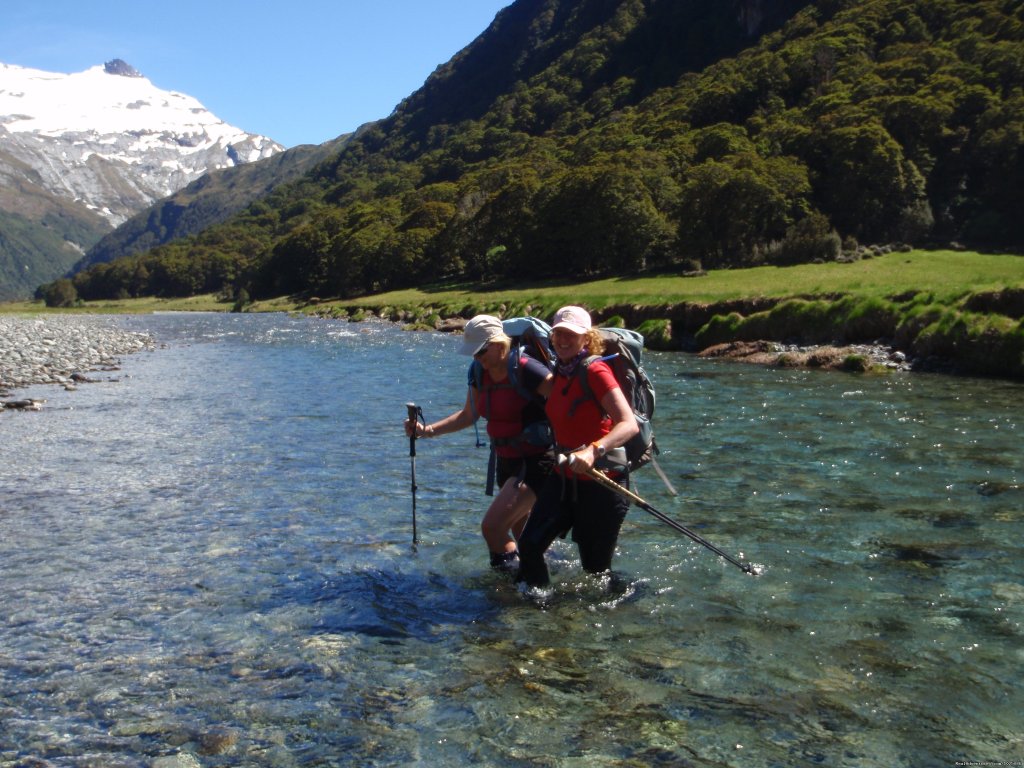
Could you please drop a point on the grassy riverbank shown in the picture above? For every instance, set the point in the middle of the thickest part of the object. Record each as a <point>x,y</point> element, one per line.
<point>959,309</point>
<point>949,311</point>
<point>144,306</point>
<point>946,275</point>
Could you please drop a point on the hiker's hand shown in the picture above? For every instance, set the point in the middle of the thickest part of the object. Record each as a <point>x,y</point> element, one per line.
<point>582,459</point>
<point>422,430</point>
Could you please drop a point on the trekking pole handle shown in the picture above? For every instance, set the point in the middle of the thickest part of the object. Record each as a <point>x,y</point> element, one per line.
<point>607,482</point>
<point>414,412</point>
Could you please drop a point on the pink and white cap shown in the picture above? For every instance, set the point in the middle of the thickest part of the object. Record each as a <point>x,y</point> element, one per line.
<point>575,319</point>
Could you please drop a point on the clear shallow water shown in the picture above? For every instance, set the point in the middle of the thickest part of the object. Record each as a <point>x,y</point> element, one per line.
<point>207,561</point>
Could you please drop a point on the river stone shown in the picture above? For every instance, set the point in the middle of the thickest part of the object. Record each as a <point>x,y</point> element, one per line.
<point>181,760</point>
<point>217,741</point>
<point>59,349</point>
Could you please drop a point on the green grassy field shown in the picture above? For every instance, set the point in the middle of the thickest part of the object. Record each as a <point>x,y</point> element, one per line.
<point>921,301</point>
<point>144,306</point>
<point>946,275</point>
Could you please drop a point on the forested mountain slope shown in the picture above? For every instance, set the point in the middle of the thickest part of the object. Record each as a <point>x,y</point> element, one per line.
<point>611,136</point>
<point>206,201</point>
<point>80,153</point>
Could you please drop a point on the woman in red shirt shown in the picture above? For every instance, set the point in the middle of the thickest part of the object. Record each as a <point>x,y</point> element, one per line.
<point>517,428</point>
<point>588,430</point>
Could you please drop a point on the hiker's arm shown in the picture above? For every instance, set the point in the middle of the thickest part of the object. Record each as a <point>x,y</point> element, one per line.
<point>624,424</point>
<point>537,377</point>
<point>453,423</point>
<point>544,388</point>
<point>624,427</point>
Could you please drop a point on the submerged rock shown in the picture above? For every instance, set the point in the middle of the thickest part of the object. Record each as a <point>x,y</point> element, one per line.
<point>181,760</point>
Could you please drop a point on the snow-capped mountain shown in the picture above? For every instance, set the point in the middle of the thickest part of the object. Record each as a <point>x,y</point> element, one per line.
<point>110,140</point>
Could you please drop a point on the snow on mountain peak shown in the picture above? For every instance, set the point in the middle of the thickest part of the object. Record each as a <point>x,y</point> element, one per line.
<point>111,140</point>
<point>100,100</point>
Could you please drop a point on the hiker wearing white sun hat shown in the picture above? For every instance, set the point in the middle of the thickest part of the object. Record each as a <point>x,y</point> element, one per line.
<point>521,464</point>
<point>479,332</point>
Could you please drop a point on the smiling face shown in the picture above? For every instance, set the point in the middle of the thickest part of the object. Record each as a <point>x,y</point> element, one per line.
<point>566,343</point>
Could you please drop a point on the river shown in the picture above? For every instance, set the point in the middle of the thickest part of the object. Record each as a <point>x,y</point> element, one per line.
<point>206,559</point>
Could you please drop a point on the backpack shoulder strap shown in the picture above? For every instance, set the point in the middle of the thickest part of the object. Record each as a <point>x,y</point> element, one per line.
<point>475,374</point>
<point>583,374</point>
<point>475,378</point>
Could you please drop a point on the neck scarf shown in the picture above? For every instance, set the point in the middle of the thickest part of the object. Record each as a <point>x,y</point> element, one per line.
<point>568,369</point>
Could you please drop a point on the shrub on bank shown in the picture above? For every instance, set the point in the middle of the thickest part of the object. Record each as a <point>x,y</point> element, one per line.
<point>657,334</point>
<point>987,344</point>
<point>856,363</point>
<point>60,294</point>
<point>719,330</point>
<point>982,344</point>
<point>866,319</point>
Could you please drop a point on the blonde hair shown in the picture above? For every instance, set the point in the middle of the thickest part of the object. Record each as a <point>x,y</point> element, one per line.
<point>593,342</point>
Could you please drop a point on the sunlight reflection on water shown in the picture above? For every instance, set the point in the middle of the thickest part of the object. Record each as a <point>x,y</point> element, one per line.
<point>211,556</point>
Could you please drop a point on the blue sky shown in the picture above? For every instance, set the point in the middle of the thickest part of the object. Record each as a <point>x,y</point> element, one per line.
<point>300,72</point>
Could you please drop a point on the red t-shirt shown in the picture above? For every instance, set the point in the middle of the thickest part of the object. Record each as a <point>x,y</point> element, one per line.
<point>588,422</point>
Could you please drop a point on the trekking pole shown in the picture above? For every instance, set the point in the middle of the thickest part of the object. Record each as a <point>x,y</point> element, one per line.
<point>607,482</point>
<point>415,416</point>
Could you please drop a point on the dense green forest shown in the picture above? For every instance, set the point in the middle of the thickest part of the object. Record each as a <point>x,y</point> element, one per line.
<point>594,137</point>
<point>36,236</point>
<point>209,200</point>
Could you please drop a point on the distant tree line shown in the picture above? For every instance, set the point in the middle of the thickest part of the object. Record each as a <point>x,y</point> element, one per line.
<point>871,121</point>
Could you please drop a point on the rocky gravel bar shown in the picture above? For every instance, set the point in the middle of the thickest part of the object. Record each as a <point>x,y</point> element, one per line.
<point>61,349</point>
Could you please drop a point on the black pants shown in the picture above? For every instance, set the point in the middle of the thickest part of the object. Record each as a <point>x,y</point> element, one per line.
<point>533,469</point>
<point>593,513</point>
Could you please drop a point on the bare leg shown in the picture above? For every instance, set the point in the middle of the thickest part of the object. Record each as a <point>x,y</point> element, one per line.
<point>505,518</point>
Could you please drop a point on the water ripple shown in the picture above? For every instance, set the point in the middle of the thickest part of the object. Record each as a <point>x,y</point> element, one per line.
<point>211,559</point>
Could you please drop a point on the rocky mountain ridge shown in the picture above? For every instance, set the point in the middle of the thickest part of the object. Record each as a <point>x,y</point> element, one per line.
<point>92,149</point>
